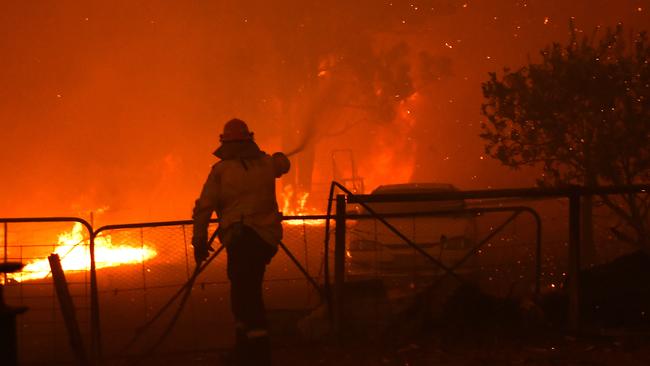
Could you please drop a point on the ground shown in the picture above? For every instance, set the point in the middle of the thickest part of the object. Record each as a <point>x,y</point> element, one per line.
<point>554,349</point>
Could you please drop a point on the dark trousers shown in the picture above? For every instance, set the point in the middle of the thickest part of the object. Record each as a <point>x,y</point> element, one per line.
<point>248,255</point>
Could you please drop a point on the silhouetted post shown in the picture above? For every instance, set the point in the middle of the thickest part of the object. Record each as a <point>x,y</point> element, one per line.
<point>67,308</point>
<point>538,253</point>
<point>95,338</point>
<point>574,260</point>
<point>8,336</point>
<point>5,241</point>
<point>339,262</point>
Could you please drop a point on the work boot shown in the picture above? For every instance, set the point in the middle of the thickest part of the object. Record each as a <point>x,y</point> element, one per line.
<point>241,345</point>
<point>259,353</point>
<point>237,354</point>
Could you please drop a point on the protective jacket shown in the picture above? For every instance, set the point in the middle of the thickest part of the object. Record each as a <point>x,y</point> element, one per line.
<point>241,189</point>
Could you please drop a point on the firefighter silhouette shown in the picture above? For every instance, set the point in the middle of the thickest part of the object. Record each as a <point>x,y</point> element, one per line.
<point>241,190</point>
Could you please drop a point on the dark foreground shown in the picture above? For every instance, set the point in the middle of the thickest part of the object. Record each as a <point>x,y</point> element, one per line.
<point>622,349</point>
<point>474,328</point>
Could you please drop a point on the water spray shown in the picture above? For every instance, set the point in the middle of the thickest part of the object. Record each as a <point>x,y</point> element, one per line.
<point>306,139</point>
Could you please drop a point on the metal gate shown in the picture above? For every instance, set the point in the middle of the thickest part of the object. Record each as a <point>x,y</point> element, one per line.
<point>42,329</point>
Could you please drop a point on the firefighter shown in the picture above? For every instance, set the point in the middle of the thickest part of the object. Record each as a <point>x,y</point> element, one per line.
<point>241,189</point>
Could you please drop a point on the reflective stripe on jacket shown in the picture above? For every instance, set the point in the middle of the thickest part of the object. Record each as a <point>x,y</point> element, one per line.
<point>242,190</point>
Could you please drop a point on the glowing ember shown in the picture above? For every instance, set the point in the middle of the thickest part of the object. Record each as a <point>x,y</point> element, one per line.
<point>75,257</point>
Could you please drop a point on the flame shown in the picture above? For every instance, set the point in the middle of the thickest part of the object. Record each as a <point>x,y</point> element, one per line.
<point>299,209</point>
<point>73,250</point>
<point>287,194</point>
<point>302,201</point>
<point>391,161</point>
<point>395,150</point>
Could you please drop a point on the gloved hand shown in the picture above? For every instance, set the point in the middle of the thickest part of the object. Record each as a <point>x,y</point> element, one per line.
<point>201,249</point>
<point>281,164</point>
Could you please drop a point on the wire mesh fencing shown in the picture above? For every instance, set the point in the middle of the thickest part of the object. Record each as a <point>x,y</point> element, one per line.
<point>41,331</point>
<point>391,260</point>
<point>493,244</point>
<point>526,247</point>
<point>131,294</point>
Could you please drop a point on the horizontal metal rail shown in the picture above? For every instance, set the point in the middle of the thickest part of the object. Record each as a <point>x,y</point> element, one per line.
<point>478,211</point>
<point>94,296</point>
<point>216,221</point>
<point>572,193</point>
<point>498,193</point>
<point>138,225</point>
<point>342,216</point>
<point>27,220</point>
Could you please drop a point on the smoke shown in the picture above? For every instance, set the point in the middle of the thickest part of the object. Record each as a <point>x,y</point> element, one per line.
<point>120,104</point>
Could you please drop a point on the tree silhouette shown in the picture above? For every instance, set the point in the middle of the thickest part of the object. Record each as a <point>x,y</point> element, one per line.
<point>583,115</point>
<point>340,63</point>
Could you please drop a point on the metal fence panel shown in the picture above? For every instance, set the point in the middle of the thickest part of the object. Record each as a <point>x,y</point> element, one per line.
<point>132,294</point>
<point>41,330</point>
<point>154,260</point>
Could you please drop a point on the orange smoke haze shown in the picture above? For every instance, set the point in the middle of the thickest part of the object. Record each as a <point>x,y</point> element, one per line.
<point>119,104</point>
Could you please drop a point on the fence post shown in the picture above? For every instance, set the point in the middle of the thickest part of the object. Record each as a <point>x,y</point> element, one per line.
<point>95,330</point>
<point>574,260</point>
<point>339,262</point>
<point>538,253</point>
<point>6,243</point>
<point>8,330</point>
<point>68,310</point>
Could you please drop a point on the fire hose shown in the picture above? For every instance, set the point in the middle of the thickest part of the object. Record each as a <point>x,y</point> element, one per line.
<point>185,291</point>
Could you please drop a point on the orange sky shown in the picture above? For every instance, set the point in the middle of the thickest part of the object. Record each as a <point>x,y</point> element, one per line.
<point>119,104</point>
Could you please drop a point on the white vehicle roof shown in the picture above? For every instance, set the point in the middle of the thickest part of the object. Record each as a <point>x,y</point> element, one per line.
<point>415,188</point>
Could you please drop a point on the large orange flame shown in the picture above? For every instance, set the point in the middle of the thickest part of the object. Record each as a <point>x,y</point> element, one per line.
<point>74,252</point>
<point>394,149</point>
